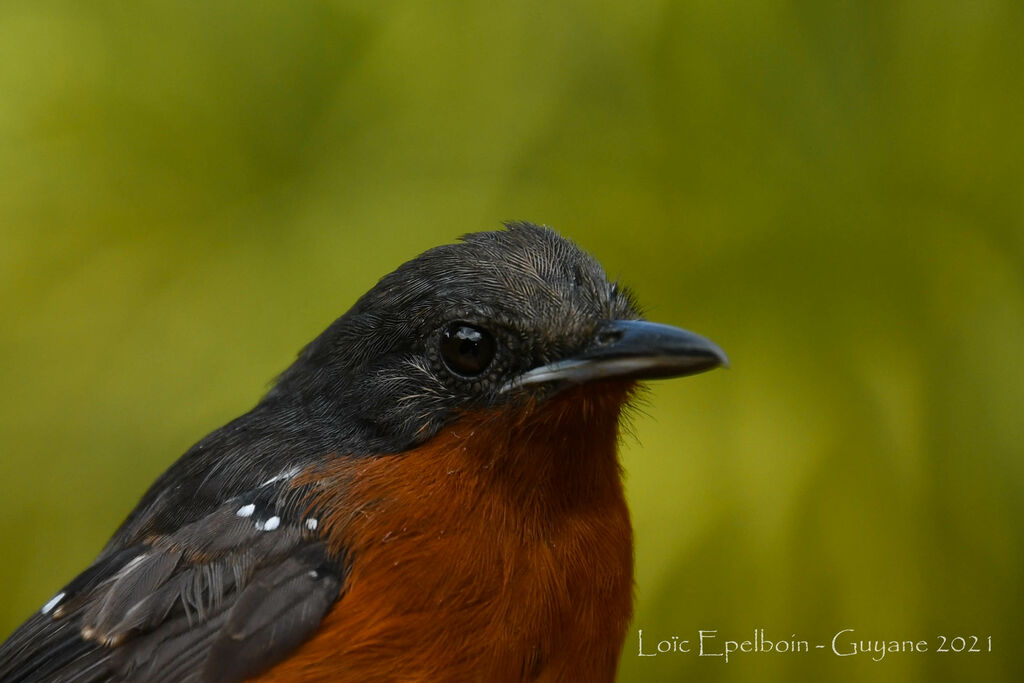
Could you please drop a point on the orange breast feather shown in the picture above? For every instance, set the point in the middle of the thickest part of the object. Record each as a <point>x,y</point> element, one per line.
<point>501,550</point>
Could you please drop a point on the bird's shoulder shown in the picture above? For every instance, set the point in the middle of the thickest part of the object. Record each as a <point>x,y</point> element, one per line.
<point>217,573</point>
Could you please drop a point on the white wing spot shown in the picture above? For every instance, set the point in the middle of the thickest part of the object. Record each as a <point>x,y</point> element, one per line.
<point>246,510</point>
<point>270,524</point>
<point>54,601</point>
<point>130,566</point>
<point>311,524</point>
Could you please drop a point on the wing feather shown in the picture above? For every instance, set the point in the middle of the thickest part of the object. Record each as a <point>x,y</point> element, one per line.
<point>221,598</point>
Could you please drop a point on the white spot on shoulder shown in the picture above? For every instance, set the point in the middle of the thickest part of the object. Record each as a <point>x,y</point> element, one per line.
<point>54,601</point>
<point>270,524</point>
<point>246,510</point>
<point>283,476</point>
<point>311,524</point>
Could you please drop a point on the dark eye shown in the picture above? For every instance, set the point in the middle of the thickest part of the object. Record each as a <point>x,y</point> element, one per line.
<point>466,349</point>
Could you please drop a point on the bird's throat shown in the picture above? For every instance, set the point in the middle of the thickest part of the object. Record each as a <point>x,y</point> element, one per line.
<point>520,510</point>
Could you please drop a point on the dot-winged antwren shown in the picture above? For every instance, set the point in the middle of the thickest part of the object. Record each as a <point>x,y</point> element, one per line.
<point>431,492</point>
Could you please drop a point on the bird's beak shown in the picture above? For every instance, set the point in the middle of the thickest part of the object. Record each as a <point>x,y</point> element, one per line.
<point>631,349</point>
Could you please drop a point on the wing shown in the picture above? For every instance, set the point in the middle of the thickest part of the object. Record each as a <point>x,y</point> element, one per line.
<point>220,598</point>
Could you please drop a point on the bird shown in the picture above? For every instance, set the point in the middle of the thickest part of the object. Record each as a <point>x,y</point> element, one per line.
<point>431,492</point>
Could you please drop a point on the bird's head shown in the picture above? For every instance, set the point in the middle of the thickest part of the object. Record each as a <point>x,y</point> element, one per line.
<point>500,318</point>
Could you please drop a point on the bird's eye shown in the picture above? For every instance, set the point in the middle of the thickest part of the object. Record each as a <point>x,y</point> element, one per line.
<point>466,349</point>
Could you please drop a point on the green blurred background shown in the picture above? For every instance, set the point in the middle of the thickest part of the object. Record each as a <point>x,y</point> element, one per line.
<point>832,191</point>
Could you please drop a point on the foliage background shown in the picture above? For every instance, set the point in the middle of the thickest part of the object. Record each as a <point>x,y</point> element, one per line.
<point>832,191</point>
